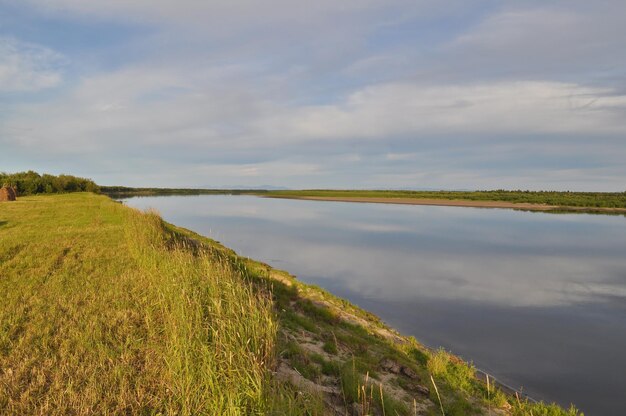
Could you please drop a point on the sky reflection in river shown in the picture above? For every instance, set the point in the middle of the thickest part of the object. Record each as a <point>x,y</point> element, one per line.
<point>537,299</point>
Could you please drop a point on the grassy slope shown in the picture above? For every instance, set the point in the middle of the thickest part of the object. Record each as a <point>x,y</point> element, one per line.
<point>98,315</point>
<point>107,310</point>
<point>561,199</point>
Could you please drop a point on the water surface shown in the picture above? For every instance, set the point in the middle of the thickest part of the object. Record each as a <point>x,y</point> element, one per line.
<point>536,299</point>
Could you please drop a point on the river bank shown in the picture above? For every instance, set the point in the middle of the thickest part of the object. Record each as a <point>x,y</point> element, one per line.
<point>108,291</point>
<point>456,203</point>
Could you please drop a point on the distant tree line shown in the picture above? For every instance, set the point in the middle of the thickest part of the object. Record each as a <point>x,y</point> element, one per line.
<point>125,191</point>
<point>30,183</point>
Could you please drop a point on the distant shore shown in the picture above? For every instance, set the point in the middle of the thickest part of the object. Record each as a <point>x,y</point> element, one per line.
<point>455,203</point>
<point>545,201</point>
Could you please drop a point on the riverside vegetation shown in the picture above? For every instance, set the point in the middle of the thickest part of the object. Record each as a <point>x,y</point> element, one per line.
<point>557,199</point>
<point>31,183</point>
<point>125,191</point>
<point>107,309</point>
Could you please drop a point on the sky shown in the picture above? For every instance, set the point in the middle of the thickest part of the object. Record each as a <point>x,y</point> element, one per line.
<point>386,94</point>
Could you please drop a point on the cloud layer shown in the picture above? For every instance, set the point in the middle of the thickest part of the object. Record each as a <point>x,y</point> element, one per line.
<point>27,67</point>
<point>350,94</point>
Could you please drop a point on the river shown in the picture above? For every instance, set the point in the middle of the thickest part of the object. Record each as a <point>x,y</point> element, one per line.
<point>538,300</point>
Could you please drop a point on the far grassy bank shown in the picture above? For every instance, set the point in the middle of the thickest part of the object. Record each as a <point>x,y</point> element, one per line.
<point>543,200</point>
<point>547,199</point>
<point>107,310</point>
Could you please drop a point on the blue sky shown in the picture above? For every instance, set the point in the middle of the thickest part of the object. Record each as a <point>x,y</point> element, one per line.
<point>350,94</point>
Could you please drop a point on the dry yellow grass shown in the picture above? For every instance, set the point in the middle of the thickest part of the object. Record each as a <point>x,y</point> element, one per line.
<point>100,315</point>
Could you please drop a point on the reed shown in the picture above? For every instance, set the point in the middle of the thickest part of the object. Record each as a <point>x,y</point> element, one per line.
<point>438,396</point>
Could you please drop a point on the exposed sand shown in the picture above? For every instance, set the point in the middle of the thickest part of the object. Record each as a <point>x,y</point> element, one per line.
<point>453,203</point>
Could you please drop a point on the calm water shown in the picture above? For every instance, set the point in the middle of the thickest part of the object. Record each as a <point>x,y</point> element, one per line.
<point>538,300</point>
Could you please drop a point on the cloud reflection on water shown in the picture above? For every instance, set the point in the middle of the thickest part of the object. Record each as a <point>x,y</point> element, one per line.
<point>499,257</point>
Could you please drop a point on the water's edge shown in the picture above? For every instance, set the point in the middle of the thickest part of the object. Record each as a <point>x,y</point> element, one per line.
<point>480,374</point>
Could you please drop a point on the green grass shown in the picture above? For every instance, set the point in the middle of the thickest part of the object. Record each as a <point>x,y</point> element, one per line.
<point>330,347</point>
<point>370,395</point>
<point>100,315</point>
<point>456,376</point>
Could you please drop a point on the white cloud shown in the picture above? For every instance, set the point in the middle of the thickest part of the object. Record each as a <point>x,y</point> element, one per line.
<point>400,156</point>
<point>212,175</point>
<point>540,28</point>
<point>27,67</point>
<point>217,14</point>
<point>402,109</point>
<point>270,170</point>
<point>238,83</point>
<point>557,38</point>
<point>208,109</point>
<point>445,174</point>
<point>138,106</point>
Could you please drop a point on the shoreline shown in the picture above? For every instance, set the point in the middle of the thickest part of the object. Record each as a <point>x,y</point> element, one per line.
<point>525,206</point>
<point>345,310</point>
